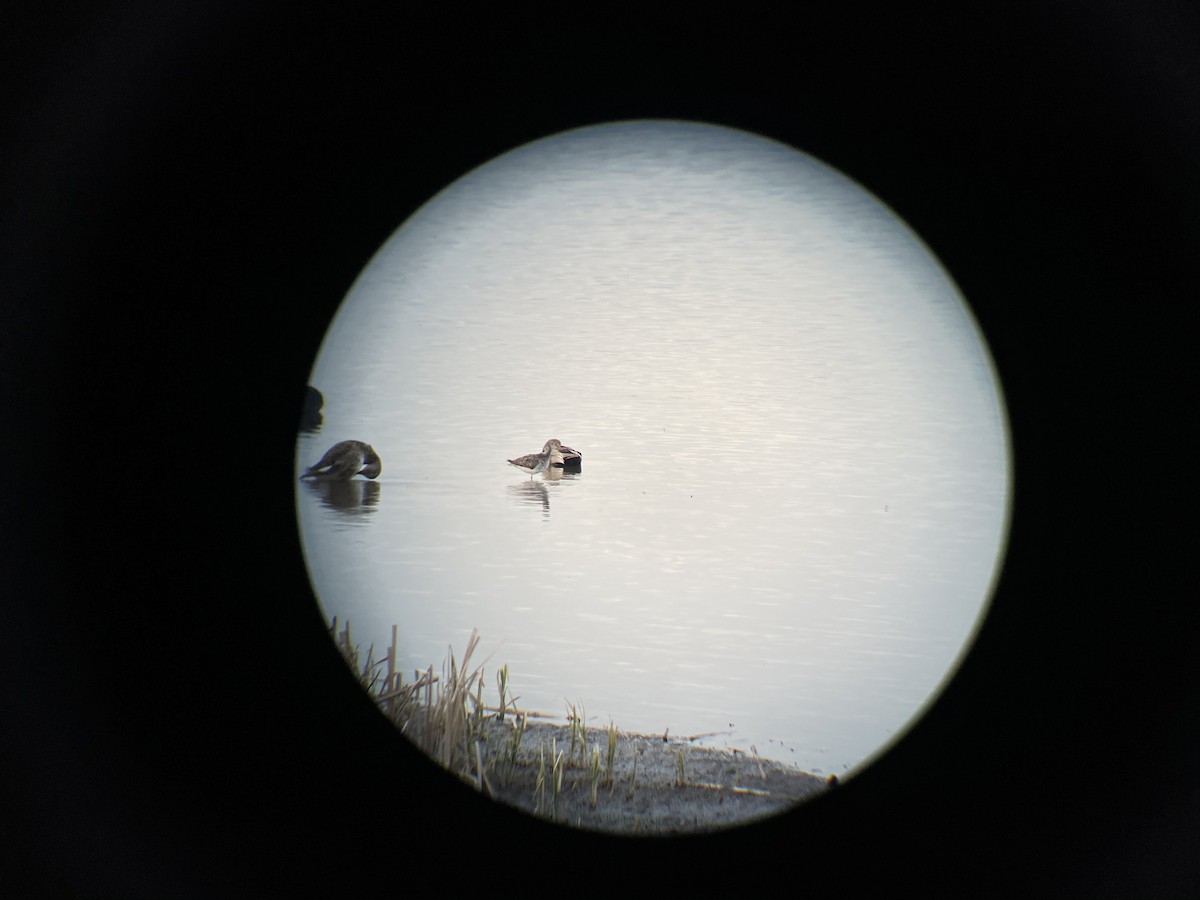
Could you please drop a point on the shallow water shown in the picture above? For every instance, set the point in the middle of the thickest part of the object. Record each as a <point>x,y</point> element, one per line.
<point>795,474</point>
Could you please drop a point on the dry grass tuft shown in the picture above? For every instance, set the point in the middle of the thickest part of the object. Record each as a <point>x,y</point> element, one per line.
<point>440,715</point>
<point>666,785</point>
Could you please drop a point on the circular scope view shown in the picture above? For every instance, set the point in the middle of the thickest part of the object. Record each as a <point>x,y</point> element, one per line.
<point>655,476</point>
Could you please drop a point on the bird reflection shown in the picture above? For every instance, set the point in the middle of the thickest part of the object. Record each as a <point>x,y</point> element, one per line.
<point>537,492</point>
<point>532,493</point>
<point>347,496</point>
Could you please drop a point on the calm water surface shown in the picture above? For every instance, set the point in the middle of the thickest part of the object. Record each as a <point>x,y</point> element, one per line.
<point>795,464</point>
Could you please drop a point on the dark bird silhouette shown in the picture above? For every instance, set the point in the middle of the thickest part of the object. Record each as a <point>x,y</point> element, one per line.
<point>344,460</point>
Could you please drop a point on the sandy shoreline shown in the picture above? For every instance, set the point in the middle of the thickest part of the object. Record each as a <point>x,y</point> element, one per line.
<point>655,786</point>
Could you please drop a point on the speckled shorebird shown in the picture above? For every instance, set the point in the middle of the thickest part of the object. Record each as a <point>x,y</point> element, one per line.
<point>344,460</point>
<point>551,457</point>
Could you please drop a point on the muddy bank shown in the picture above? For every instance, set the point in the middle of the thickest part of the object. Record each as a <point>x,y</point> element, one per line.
<point>652,787</point>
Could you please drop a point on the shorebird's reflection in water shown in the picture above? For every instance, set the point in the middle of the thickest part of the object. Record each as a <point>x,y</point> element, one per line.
<point>531,493</point>
<point>535,492</point>
<point>352,497</point>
